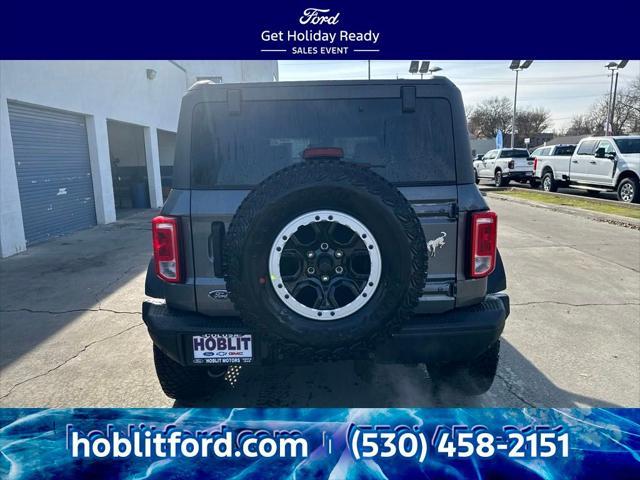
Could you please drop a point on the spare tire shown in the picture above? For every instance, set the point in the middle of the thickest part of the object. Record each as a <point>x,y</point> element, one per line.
<point>325,254</point>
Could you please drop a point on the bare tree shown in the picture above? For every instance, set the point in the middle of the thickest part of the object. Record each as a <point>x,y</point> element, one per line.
<point>626,114</point>
<point>489,116</point>
<point>580,125</point>
<point>630,101</point>
<point>532,122</point>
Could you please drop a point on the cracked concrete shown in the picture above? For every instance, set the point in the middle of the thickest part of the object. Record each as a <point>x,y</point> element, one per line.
<point>64,362</point>
<point>71,332</point>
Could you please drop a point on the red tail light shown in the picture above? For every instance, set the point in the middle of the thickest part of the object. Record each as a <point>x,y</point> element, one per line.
<point>484,230</point>
<point>166,251</point>
<point>535,163</point>
<point>323,152</point>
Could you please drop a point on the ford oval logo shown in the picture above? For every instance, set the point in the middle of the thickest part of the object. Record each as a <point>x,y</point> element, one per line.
<point>219,294</point>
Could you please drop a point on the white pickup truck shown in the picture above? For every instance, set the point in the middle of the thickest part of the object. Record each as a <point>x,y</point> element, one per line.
<point>544,160</point>
<point>597,164</point>
<point>503,165</point>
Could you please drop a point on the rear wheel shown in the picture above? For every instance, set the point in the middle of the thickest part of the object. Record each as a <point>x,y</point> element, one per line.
<point>499,180</point>
<point>185,383</point>
<point>549,183</point>
<point>475,172</point>
<point>628,190</point>
<point>468,378</point>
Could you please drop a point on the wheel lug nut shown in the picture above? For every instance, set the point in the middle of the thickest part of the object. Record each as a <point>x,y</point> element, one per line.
<point>324,246</point>
<point>339,270</point>
<point>339,254</point>
<point>311,270</point>
<point>325,278</point>
<point>310,254</point>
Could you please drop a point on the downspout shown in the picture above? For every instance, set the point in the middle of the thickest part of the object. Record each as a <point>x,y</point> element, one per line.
<point>186,75</point>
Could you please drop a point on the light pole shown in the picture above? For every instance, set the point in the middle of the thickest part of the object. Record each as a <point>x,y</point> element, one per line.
<point>516,67</point>
<point>611,104</point>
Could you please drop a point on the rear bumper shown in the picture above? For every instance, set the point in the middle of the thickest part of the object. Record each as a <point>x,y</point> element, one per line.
<point>458,335</point>
<point>518,175</point>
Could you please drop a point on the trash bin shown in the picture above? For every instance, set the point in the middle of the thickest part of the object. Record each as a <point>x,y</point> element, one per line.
<point>139,198</point>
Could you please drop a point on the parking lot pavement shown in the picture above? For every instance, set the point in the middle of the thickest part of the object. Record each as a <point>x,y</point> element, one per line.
<point>71,332</point>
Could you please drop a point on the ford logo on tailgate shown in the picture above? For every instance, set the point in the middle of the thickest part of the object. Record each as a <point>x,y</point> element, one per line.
<point>219,294</point>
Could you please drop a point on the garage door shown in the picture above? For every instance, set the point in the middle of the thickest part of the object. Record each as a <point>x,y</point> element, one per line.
<point>54,171</point>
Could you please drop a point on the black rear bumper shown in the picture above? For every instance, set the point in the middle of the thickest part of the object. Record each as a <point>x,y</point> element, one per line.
<point>518,175</point>
<point>458,335</point>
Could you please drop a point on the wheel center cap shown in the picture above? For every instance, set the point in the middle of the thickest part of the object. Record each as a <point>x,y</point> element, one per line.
<point>325,265</point>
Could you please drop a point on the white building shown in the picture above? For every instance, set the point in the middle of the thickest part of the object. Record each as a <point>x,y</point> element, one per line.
<point>81,139</point>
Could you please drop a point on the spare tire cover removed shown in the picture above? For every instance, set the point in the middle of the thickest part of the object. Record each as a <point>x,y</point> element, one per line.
<point>325,254</point>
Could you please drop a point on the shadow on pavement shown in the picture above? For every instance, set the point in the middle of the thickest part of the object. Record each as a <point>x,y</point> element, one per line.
<point>46,288</point>
<point>519,384</point>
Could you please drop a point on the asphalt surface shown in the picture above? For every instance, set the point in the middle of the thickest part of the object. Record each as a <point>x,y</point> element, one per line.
<point>71,332</point>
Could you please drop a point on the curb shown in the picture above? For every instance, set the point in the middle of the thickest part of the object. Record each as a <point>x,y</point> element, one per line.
<point>599,217</point>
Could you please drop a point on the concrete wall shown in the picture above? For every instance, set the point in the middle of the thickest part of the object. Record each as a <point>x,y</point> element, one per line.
<point>105,90</point>
<point>480,146</point>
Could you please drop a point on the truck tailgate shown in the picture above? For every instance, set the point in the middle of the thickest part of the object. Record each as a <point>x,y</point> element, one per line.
<point>521,164</point>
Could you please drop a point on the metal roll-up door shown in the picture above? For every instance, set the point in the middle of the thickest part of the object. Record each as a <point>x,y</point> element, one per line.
<point>54,171</point>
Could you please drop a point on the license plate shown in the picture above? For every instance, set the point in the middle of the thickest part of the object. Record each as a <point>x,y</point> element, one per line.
<point>222,348</point>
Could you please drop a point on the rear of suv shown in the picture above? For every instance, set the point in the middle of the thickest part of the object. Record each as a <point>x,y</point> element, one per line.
<point>321,221</point>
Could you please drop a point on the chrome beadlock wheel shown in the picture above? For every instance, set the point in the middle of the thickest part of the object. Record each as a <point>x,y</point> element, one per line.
<point>325,265</point>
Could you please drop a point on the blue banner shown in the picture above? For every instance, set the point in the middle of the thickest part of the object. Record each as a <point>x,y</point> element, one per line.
<point>327,29</point>
<point>320,443</point>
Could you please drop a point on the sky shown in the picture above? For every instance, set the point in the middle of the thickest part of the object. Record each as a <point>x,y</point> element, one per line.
<point>565,88</point>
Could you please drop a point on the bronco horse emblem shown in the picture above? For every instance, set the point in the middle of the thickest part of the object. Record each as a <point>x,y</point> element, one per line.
<point>436,243</point>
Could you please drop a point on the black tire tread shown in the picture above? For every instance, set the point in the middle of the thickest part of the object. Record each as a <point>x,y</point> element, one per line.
<point>177,381</point>
<point>468,378</point>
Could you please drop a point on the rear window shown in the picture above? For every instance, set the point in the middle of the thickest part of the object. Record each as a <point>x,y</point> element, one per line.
<point>242,149</point>
<point>565,150</point>
<point>514,153</point>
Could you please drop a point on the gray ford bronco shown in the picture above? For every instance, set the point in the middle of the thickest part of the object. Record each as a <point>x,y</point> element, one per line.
<point>322,221</point>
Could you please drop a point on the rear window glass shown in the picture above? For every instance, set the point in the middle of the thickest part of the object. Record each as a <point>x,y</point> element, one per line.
<point>566,150</point>
<point>242,149</point>
<point>514,153</point>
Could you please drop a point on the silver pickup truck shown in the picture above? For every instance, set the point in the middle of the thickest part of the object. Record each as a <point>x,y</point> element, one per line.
<point>597,164</point>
